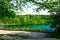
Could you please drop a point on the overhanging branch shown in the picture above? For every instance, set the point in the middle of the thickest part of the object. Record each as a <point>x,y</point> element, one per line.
<point>45,5</point>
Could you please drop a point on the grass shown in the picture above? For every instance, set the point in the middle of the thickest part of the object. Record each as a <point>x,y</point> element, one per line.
<point>55,36</point>
<point>14,35</point>
<point>22,36</point>
<point>1,35</point>
<point>24,29</point>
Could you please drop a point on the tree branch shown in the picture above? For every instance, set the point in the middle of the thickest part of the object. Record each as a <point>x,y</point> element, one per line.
<point>45,5</point>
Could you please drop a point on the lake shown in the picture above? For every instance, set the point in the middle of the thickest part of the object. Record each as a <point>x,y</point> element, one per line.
<point>44,27</point>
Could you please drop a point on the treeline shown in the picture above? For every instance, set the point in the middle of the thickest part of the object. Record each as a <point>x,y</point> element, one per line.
<point>26,20</point>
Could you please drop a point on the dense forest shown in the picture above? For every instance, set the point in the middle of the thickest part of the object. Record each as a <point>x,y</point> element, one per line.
<point>26,20</point>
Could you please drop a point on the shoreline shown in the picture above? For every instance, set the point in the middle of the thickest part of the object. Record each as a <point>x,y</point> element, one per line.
<point>32,34</point>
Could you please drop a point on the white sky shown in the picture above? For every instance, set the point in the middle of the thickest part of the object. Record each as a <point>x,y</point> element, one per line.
<point>29,10</point>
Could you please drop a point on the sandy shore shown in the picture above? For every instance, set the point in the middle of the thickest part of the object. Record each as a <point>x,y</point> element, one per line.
<point>32,34</point>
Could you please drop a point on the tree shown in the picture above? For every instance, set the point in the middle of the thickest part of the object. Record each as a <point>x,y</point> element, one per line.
<point>5,9</point>
<point>51,5</point>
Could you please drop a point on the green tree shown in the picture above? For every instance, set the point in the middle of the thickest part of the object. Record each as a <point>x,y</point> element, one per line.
<point>5,9</point>
<point>51,5</point>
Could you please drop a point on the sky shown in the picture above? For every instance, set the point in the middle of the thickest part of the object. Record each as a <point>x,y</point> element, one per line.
<point>30,10</point>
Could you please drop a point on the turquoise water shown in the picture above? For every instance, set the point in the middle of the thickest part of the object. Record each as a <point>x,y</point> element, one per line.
<point>44,27</point>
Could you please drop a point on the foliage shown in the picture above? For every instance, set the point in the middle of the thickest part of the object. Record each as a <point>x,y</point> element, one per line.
<point>5,11</point>
<point>14,35</point>
<point>51,5</point>
<point>27,19</point>
<point>56,23</point>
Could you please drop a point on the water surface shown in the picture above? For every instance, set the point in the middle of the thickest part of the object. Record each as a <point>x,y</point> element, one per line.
<point>44,27</point>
